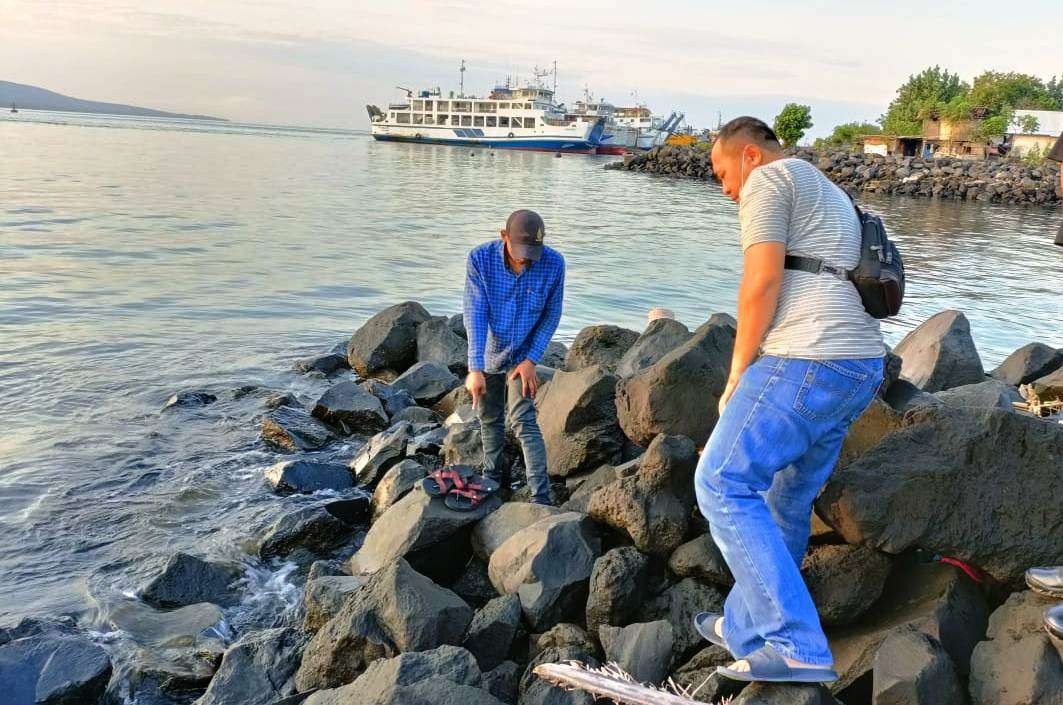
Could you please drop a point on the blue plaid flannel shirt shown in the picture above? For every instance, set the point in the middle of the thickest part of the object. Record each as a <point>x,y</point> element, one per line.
<point>511,318</point>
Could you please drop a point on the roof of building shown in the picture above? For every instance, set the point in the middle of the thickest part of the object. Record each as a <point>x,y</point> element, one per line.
<point>1049,122</point>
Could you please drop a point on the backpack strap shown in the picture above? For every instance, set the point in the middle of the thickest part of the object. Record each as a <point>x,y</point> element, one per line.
<point>813,266</point>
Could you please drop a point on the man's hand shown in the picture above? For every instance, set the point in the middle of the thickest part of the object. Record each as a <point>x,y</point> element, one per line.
<point>529,380</point>
<point>476,383</point>
<point>732,383</point>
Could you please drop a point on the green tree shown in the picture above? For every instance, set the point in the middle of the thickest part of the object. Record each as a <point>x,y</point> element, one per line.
<point>1055,90</point>
<point>999,93</point>
<point>845,135</point>
<point>1029,124</point>
<point>792,122</point>
<point>922,92</point>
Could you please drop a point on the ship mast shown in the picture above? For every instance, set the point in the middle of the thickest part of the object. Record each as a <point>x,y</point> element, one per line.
<point>461,83</point>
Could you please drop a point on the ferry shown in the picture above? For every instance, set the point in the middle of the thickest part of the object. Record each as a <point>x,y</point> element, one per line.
<point>508,118</point>
<point>626,129</point>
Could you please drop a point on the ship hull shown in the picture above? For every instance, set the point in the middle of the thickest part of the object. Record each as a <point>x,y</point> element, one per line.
<point>531,144</point>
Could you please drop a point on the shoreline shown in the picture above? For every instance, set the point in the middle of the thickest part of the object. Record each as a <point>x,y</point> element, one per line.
<point>497,591</point>
<point>993,181</point>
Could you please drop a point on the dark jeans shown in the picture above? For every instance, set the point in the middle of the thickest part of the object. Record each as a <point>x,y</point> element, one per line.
<point>504,399</point>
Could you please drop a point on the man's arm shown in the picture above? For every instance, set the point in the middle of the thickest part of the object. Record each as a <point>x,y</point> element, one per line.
<point>475,315</point>
<point>547,325</point>
<point>758,295</point>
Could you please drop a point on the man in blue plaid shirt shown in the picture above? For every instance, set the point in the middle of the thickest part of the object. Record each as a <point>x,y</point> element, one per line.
<point>513,292</point>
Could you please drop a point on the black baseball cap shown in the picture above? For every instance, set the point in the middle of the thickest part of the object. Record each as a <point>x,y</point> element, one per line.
<point>526,231</point>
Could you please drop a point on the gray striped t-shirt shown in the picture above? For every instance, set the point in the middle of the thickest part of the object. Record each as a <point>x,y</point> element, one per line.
<point>819,316</point>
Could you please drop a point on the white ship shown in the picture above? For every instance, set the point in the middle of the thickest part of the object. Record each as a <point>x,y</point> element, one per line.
<point>508,118</point>
<point>626,129</point>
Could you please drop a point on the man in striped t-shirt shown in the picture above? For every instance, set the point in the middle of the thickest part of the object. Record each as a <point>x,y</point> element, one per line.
<point>807,362</point>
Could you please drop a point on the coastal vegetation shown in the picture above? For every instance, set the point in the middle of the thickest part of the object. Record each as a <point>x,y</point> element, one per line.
<point>792,123</point>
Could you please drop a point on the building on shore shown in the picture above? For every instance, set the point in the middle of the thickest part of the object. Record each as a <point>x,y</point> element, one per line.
<point>1041,138</point>
<point>939,137</point>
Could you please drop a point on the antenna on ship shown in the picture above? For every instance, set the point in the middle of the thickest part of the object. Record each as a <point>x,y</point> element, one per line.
<point>461,83</point>
<point>555,78</point>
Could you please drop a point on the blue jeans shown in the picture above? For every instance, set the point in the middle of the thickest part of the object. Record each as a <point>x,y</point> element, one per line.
<point>767,458</point>
<point>505,398</point>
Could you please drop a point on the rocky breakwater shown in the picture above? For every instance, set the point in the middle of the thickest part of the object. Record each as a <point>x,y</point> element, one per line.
<point>994,180</point>
<point>405,601</point>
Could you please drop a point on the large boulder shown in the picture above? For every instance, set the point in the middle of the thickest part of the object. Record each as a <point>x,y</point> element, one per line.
<point>383,450</point>
<point>653,506</point>
<point>934,599</point>
<point>1028,363</point>
<point>395,484</point>
<point>699,677</point>
<point>878,419</point>
<point>547,565</point>
<point>577,416</point>
<point>314,529</point>
<point>149,627</point>
<point>990,394</point>
<point>620,583</point>
<point>503,681</point>
<point>599,345</point>
<point>533,690</point>
<point>1049,387</point>
<point>188,400</point>
<point>940,353</point>
<point>678,606</point>
<point>437,341</point>
<point>186,580</point>
<point>427,382</point>
<point>53,668</point>
<point>581,487</point>
<point>397,610</point>
<point>325,595</point>
<point>326,363</point>
<point>463,445</point>
<point>352,409</point>
<point>394,400</point>
<point>643,650</point>
<point>844,580</point>
<point>555,355</point>
<point>976,484</point>
<point>493,630</point>
<point>256,670</point>
<point>912,668</point>
<point>1018,664</point>
<point>308,476</point>
<point>292,429</point>
<point>661,337</point>
<point>424,531</point>
<point>387,341</point>
<point>679,393</point>
<point>785,694</point>
<point>496,528</point>
<point>701,558</point>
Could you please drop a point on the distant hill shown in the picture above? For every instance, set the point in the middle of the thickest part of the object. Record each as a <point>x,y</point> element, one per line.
<point>34,98</point>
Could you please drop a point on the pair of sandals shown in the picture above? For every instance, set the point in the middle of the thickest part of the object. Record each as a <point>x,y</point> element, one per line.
<point>765,664</point>
<point>461,488</point>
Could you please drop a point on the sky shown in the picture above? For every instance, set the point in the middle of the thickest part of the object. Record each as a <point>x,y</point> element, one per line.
<point>318,62</point>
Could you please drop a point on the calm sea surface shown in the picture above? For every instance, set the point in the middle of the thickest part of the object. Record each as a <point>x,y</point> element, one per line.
<point>139,258</point>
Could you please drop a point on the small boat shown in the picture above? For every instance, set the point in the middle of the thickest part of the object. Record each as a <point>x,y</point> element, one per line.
<point>13,108</point>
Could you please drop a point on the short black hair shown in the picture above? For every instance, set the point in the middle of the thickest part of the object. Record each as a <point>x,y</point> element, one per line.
<point>755,129</point>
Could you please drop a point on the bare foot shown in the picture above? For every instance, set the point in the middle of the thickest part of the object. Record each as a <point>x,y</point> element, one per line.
<point>718,627</point>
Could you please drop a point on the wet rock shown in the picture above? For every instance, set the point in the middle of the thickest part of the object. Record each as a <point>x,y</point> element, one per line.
<point>398,610</point>
<point>785,694</point>
<point>314,529</point>
<point>912,668</point>
<point>383,682</point>
<point>1030,362</point>
<point>933,599</point>
<point>417,415</point>
<point>351,409</point>
<point>326,364</point>
<point>427,382</point>
<point>653,506</point>
<point>421,529</point>
<point>699,674</point>
<point>428,443</point>
<point>169,674</point>
<point>555,355</point>
<point>993,469</point>
<point>279,399</point>
<point>844,580</point>
<point>308,476</point>
<point>324,596</point>
<point>189,400</point>
<point>643,650</point>
<point>383,450</point>
<point>547,565</point>
<point>678,605</point>
<point>1018,664</point>
<point>661,337</point>
<point>599,345</point>
<point>869,428</point>
<point>577,416</point>
<point>185,626</point>
<point>701,559</point>
<point>463,445</point>
<point>940,354</point>
<point>990,394</point>
<point>388,340</point>
<point>492,631</point>
<point>394,400</point>
<point>437,341</point>
<point>1049,387</point>
<point>51,668</point>
<point>397,481</point>
<point>503,681</point>
<point>535,691</point>
<point>353,509</point>
<point>495,529</point>
<point>256,670</point>
<point>619,585</point>
<point>293,429</point>
<point>187,580</point>
<point>679,393</point>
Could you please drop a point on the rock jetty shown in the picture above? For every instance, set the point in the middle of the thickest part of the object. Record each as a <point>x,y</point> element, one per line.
<point>993,180</point>
<point>405,601</point>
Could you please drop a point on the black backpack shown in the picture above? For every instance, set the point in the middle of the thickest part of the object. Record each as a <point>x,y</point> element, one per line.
<point>878,277</point>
